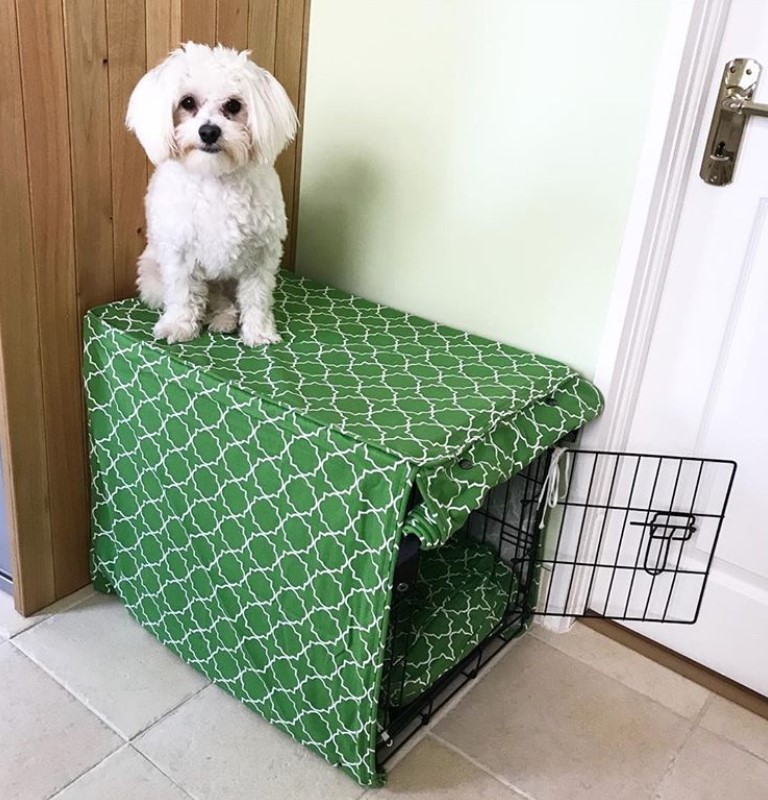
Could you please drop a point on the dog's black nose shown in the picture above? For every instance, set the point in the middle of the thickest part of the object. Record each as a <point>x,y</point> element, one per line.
<point>209,133</point>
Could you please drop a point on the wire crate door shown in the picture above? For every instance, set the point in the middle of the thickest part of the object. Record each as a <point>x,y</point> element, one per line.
<point>632,536</point>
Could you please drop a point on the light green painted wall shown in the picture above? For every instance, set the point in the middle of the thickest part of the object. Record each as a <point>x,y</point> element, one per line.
<point>472,161</point>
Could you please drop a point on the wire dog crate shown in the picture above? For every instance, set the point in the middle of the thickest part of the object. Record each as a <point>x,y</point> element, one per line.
<point>620,535</point>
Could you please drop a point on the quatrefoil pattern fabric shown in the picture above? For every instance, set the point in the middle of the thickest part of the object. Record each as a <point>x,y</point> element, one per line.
<point>248,503</point>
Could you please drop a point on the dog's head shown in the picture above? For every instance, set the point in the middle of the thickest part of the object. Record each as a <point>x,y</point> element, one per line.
<point>212,109</point>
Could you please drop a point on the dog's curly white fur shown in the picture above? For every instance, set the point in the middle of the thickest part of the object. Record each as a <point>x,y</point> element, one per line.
<point>213,123</point>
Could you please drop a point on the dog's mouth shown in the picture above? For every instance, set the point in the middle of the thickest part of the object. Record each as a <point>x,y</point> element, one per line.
<point>210,148</point>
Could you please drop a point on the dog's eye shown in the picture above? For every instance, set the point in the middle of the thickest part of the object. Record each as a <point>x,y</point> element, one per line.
<point>232,106</point>
<point>188,103</point>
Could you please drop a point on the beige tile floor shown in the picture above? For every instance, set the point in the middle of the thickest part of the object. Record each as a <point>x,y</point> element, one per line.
<point>92,708</point>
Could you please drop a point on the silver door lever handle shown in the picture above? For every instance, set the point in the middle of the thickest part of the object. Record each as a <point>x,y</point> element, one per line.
<point>738,105</point>
<point>733,107</point>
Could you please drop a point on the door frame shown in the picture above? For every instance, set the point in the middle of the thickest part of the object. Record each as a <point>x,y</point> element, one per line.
<point>686,68</point>
<point>678,109</point>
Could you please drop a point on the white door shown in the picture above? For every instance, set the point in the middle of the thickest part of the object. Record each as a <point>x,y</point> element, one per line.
<point>705,386</point>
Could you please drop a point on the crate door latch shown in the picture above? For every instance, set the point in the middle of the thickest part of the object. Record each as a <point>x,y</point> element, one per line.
<point>665,528</point>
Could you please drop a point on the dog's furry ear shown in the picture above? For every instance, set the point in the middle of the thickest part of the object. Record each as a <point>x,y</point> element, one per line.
<point>150,108</point>
<point>271,116</point>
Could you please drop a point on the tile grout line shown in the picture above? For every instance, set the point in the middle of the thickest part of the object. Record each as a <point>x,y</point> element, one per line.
<point>49,615</point>
<point>162,771</point>
<point>427,730</point>
<point>624,648</point>
<point>146,757</point>
<point>71,693</point>
<point>168,713</point>
<point>693,718</point>
<point>504,781</point>
<point>722,736</point>
<point>90,769</point>
<point>737,745</point>
<point>693,724</point>
<point>695,721</point>
<point>86,703</point>
<point>124,746</point>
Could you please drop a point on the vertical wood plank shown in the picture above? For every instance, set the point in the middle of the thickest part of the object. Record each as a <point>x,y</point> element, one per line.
<point>163,24</point>
<point>85,41</point>
<point>293,232</point>
<point>87,76</point>
<point>22,432</point>
<point>44,84</point>
<point>198,21</point>
<point>232,23</point>
<point>127,29</point>
<point>262,30</point>
<point>289,48</point>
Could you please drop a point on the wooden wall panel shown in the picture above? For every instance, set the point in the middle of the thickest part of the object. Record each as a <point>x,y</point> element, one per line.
<point>72,183</point>
<point>198,21</point>
<point>44,78</point>
<point>127,63</point>
<point>290,70</point>
<point>262,31</point>
<point>163,21</point>
<point>22,434</point>
<point>232,23</point>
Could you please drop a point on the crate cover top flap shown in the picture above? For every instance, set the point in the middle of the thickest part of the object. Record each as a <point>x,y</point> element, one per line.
<point>248,504</point>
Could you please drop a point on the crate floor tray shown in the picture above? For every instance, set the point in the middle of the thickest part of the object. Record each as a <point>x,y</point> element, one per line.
<point>248,504</point>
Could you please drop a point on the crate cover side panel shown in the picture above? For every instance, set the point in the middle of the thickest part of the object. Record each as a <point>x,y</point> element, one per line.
<point>258,548</point>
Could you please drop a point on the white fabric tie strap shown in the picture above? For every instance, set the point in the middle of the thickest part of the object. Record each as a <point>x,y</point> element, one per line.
<point>550,491</point>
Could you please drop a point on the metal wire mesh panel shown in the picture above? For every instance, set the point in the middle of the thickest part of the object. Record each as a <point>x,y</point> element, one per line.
<point>633,535</point>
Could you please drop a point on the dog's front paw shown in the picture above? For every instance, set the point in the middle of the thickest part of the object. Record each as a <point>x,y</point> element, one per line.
<point>175,329</point>
<point>224,321</point>
<point>258,335</point>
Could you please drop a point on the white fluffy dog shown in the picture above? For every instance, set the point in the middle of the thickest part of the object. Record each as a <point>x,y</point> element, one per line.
<point>213,123</point>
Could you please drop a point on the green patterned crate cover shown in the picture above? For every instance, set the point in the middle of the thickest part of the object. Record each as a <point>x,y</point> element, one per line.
<point>248,503</point>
